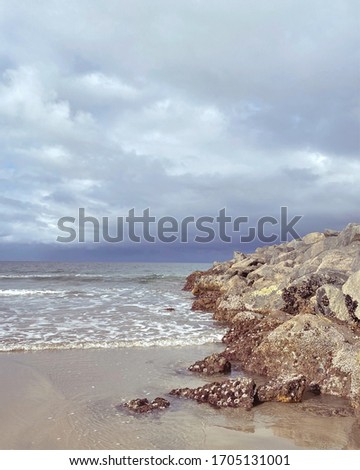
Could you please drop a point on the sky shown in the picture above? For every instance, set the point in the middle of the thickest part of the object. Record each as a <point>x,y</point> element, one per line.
<point>184,107</point>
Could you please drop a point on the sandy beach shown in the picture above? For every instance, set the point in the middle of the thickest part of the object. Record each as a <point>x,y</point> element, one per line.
<point>67,400</point>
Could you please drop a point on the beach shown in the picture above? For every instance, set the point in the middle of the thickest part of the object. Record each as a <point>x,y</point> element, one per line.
<point>68,400</point>
<point>79,340</point>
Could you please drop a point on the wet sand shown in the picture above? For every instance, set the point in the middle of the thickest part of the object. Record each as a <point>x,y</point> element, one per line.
<point>66,400</point>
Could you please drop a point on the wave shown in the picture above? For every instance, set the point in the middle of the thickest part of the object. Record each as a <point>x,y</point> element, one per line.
<point>164,343</point>
<point>154,277</point>
<point>69,293</point>
<point>53,277</point>
<point>23,292</point>
<point>142,279</point>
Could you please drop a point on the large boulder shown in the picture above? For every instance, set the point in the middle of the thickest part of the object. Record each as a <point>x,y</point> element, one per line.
<point>349,235</point>
<point>325,353</point>
<point>248,332</point>
<point>330,301</point>
<point>338,260</point>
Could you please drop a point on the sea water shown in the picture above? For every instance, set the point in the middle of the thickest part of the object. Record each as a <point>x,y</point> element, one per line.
<point>99,305</point>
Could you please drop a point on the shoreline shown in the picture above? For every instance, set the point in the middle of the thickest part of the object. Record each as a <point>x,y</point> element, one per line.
<point>66,400</point>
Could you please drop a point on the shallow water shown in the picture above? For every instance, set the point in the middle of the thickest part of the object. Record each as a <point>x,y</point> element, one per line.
<point>99,305</point>
<point>67,400</point>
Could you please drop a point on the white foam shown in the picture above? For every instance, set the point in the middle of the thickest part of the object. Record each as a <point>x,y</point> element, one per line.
<point>140,343</point>
<point>120,312</point>
<point>17,292</point>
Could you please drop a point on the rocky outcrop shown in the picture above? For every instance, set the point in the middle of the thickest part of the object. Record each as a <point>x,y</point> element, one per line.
<point>293,310</point>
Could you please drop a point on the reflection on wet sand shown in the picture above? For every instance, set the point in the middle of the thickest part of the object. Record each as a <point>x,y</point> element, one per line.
<point>311,424</point>
<point>68,399</point>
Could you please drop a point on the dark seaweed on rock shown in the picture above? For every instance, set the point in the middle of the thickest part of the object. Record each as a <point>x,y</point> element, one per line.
<point>352,306</point>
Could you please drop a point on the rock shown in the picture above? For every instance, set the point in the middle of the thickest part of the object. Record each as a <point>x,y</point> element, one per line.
<point>142,405</point>
<point>238,256</point>
<point>239,392</point>
<point>296,297</point>
<point>351,234</point>
<point>338,260</point>
<point>351,288</point>
<point>191,280</point>
<point>263,294</point>
<point>313,237</point>
<point>314,388</point>
<point>207,286</point>
<point>313,346</point>
<point>169,309</point>
<point>283,389</point>
<point>206,301</point>
<point>160,403</point>
<point>228,305</point>
<point>315,250</point>
<point>236,285</point>
<point>247,333</point>
<point>352,307</point>
<point>331,233</point>
<point>214,364</point>
<point>244,316</point>
<point>330,301</point>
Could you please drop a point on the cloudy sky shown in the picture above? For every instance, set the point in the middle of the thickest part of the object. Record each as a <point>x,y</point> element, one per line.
<point>184,107</point>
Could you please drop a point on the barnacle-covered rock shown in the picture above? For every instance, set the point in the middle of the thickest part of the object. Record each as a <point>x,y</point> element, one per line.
<point>283,389</point>
<point>143,405</point>
<point>211,365</point>
<point>232,393</point>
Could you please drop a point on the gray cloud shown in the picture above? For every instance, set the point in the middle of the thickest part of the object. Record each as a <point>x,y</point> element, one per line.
<point>184,107</point>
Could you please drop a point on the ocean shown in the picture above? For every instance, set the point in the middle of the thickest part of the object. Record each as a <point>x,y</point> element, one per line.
<point>99,305</point>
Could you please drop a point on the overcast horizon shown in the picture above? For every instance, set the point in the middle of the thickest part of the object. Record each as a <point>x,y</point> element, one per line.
<point>182,107</point>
